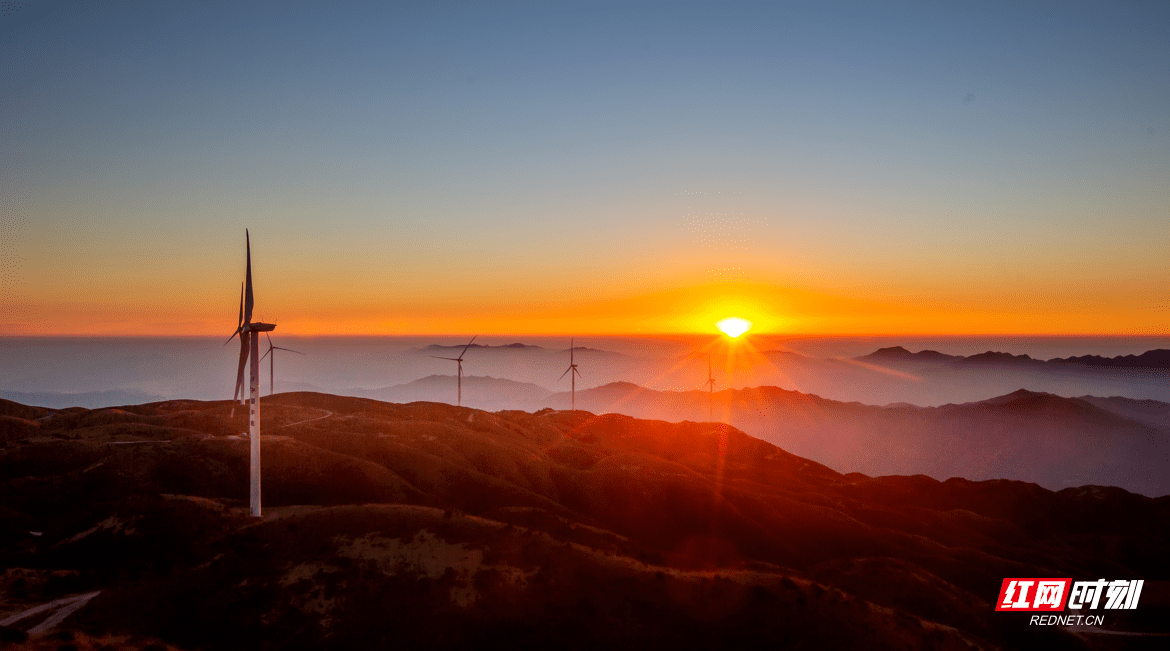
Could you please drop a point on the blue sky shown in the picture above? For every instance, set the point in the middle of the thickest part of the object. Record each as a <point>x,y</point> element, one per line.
<point>410,165</point>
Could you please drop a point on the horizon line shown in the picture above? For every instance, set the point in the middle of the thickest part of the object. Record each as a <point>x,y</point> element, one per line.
<point>785,335</point>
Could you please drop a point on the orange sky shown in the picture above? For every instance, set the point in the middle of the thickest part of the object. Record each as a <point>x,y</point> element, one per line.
<point>692,309</point>
<point>593,171</point>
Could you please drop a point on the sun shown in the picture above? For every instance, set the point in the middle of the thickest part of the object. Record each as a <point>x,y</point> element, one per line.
<point>734,326</point>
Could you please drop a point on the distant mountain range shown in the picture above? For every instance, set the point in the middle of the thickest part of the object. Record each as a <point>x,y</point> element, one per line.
<point>898,353</point>
<point>1025,435</point>
<point>1154,359</point>
<point>885,376</point>
<point>1159,358</point>
<point>928,377</point>
<point>1028,435</point>
<point>88,399</point>
<point>1038,437</point>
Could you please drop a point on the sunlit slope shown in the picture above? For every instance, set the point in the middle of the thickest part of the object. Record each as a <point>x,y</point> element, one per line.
<point>431,523</point>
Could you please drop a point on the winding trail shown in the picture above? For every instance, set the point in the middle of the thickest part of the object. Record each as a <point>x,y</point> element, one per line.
<point>308,420</point>
<point>59,609</point>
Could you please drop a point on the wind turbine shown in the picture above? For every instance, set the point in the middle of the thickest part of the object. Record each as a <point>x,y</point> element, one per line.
<point>250,347</point>
<point>272,363</point>
<point>711,393</point>
<point>460,362</point>
<point>572,377</point>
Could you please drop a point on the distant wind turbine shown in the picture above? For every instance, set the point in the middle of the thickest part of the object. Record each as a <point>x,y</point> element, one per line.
<point>459,360</point>
<point>572,377</point>
<point>711,393</point>
<point>250,343</point>
<point>272,363</point>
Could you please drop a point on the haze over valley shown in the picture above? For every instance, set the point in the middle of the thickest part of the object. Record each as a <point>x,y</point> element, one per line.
<point>1067,421</point>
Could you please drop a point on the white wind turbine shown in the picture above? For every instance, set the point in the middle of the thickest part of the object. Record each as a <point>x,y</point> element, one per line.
<point>272,363</point>
<point>250,343</point>
<point>572,377</point>
<point>711,393</point>
<point>459,360</point>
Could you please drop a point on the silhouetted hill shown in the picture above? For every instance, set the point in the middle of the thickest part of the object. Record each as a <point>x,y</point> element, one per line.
<point>1159,358</point>
<point>427,525</point>
<point>1152,412</point>
<point>1047,405</point>
<point>1154,359</point>
<point>89,399</point>
<point>900,354</point>
<point>993,357</point>
<point>512,346</point>
<point>17,410</point>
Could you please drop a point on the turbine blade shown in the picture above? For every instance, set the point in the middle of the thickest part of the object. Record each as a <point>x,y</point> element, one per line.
<point>243,361</point>
<point>564,374</point>
<point>270,346</point>
<point>248,282</point>
<point>240,323</point>
<point>576,371</point>
<point>289,350</point>
<point>453,359</point>
<point>265,354</point>
<point>467,346</point>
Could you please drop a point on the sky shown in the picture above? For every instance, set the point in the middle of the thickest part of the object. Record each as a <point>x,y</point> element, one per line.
<point>588,168</point>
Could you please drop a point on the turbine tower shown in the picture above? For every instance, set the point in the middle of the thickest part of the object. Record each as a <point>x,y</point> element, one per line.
<point>250,348</point>
<point>572,377</point>
<point>459,360</point>
<point>711,392</point>
<point>272,363</point>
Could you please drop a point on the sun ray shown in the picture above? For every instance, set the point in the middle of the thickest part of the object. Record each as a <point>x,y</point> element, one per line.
<point>879,369</point>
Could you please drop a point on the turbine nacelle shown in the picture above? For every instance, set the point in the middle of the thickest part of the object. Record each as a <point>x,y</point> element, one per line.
<point>573,368</point>
<point>272,362</point>
<point>572,378</point>
<point>459,377</point>
<point>711,394</point>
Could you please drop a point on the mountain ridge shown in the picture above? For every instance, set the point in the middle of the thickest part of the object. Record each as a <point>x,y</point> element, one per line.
<point>1154,358</point>
<point>610,530</point>
<point>1027,435</point>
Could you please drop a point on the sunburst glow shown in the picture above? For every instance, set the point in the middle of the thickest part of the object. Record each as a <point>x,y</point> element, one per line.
<point>734,326</point>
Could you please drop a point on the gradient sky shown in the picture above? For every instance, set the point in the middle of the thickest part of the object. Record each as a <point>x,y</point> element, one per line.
<point>600,167</point>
